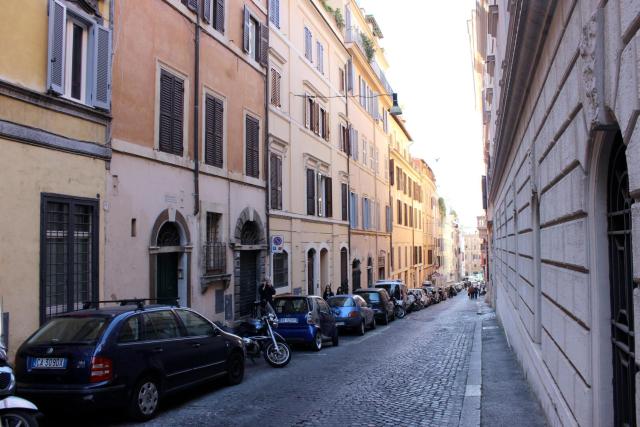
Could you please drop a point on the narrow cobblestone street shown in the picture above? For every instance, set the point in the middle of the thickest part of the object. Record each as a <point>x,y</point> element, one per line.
<point>412,372</point>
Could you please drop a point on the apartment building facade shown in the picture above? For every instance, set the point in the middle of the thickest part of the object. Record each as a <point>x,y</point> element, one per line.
<point>563,184</point>
<point>308,155</point>
<point>472,254</point>
<point>54,127</point>
<point>186,217</point>
<point>407,202</point>
<point>429,218</point>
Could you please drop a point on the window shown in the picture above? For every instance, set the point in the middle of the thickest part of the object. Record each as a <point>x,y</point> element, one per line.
<point>214,131</point>
<point>353,210</point>
<point>160,325</point>
<point>385,121</point>
<point>275,181</point>
<point>365,213</point>
<point>311,192</point>
<point>399,212</point>
<point>130,330</point>
<point>364,151</point>
<point>171,121</point>
<point>308,39</point>
<point>79,57</point>
<point>69,254</point>
<point>319,194</point>
<point>255,38</point>
<point>213,13</point>
<point>406,215</point>
<point>353,139</point>
<point>215,251</point>
<point>388,218</point>
<point>345,201</point>
<point>281,270</point>
<point>342,81</point>
<point>252,146</point>
<point>391,172</point>
<point>344,138</point>
<point>274,12</point>
<point>324,124</point>
<point>320,56</point>
<point>275,88</point>
<point>195,324</point>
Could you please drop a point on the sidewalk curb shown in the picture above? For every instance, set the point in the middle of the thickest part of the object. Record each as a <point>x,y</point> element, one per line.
<point>470,416</point>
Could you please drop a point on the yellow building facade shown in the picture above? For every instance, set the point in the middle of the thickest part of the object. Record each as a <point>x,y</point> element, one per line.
<point>54,127</point>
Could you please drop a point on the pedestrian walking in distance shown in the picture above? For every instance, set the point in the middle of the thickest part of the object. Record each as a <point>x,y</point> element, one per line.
<point>327,292</point>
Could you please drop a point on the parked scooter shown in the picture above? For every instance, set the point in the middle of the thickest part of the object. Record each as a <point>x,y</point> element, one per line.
<point>14,411</point>
<point>398,308</point>
<point>259,337</point>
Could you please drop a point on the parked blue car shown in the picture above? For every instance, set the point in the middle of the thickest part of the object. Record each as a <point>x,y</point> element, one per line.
<point>127,356</point>
<point>351,312</point>
<point>306,319</point>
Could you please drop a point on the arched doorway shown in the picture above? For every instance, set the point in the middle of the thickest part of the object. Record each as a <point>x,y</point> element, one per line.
<point>170,286</point>
<point>355,274</point>
<point>324,269</point>
<point>344,269</point>
<point>369,272</point>
<point>621,281</point>
<point>246,289</point>
<point>311,273</point>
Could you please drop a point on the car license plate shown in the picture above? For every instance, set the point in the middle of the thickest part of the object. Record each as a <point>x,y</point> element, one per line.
<point>339,323</point>
<point>48,363</point>
<point>288,320</point>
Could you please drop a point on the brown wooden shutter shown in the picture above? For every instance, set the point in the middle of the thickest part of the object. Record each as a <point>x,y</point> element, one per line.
<point>311,192</point>
<point>170,135</point>
<point>246,28</point>
<point>218,16</point>
<point>273,180</point>
<point>328,195</point>
<point>345,201</point>
<point>252,147</point>
<point>178,116</point>
<point>391,171</point>
<point>218,133</point>
<point>209,125</point>
<point>263,55</point>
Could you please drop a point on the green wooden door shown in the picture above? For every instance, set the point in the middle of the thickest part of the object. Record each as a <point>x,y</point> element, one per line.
<point>167,291</point>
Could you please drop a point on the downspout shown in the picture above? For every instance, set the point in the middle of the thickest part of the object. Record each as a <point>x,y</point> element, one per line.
<point>196,113</point>
<point>346,110</point>
<point>266,156</point>
<point>391,208</point>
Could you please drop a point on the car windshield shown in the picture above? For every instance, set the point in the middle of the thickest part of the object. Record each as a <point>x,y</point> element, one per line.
<point>371,297</point>
<point>291,305</point>
<point>341,302</point>
<point>70,330</point>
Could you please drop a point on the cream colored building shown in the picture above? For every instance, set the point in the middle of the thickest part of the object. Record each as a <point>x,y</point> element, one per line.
<point>308,159</point>
<point>407,197</point>
<point>54,125</point>
<point>368,102</point>
<point>430,220</point>
<point>472,253</point>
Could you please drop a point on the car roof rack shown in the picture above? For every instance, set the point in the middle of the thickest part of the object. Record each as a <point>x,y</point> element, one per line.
<point>139,302</point>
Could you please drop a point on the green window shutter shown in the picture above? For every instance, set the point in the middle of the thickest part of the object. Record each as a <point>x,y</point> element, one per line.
<point>311,192</point>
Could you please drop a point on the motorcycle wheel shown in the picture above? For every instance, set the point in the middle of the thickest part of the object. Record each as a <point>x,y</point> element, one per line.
<point>277,358</point>
<point>18,419</point>
<point>400,312</point>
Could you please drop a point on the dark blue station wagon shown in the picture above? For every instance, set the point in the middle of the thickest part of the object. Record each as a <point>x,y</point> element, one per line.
<point>127,356</point>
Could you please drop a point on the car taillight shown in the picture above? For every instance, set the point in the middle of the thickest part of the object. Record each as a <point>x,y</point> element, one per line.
<point>101,369</point>
<point>310,320</point>
<point>353,314</point>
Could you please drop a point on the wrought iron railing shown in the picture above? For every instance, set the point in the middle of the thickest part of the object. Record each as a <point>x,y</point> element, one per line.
<point>215,257</point>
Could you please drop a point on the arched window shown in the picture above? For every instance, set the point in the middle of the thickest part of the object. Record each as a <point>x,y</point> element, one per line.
<point>250,234</point>
<point>169,235</point>
<point>281,270</point>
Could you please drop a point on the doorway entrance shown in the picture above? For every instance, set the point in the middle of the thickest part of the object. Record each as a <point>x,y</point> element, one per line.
<point>621,281</point>
<point>355,274</point>
<point>246,291</point>
<point>171,287</point>
<point>311,276</point>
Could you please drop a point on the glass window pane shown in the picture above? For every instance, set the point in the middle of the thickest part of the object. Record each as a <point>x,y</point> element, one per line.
<point>196,325</point>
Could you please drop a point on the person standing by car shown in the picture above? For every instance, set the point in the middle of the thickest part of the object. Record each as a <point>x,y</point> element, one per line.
<point>327,292</point>
<point>266,292</point>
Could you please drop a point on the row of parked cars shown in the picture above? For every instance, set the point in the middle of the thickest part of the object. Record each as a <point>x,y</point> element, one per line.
<point>131,355</point>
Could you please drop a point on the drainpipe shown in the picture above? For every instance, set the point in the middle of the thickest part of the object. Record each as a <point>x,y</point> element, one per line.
<point>196,112</point>
<point>346,110</point>
<point>266,158</point>
<point>391,208</point>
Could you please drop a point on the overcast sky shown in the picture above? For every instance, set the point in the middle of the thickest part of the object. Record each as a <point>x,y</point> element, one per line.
<point>427,46</point>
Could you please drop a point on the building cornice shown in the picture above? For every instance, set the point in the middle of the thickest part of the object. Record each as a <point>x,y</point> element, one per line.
<point>528,28</point>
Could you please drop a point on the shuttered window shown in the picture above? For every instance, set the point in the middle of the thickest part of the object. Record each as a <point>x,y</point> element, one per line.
<point>252,149</point>
<point>344,139</point>
<point>308,46</point>
<point>214,131</point>
<point>399,212</point>
<point>171,123</point>
<point>274,12</point>
<point>218,15</point>
<point>79,52</point>
<point>320,57</point>
<point>328,197</point>
<point>311,192</point>
<point>275,88</point>
<point>341,77</point>
<point>345,201</point>
<point>275,181</point>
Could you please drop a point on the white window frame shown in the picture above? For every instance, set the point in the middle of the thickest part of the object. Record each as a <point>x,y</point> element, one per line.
<point>68,56</point>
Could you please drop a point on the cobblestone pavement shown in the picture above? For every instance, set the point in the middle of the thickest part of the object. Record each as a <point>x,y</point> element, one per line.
<point>412,372</point>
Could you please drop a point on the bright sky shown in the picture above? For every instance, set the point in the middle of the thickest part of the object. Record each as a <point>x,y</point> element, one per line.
<point>427,46</point>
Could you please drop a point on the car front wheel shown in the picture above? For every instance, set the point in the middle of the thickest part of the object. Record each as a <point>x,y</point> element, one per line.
<point>145,399</point>
<point>235,369</point>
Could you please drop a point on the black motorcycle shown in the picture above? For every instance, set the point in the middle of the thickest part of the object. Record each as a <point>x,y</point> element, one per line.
<point>259,337</point>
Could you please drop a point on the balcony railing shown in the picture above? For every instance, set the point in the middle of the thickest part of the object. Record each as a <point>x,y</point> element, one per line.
<point>353,35</point>
<point>215,257</point>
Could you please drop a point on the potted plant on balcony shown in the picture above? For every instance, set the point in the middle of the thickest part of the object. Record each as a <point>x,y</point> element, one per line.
<point>368,47</point>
